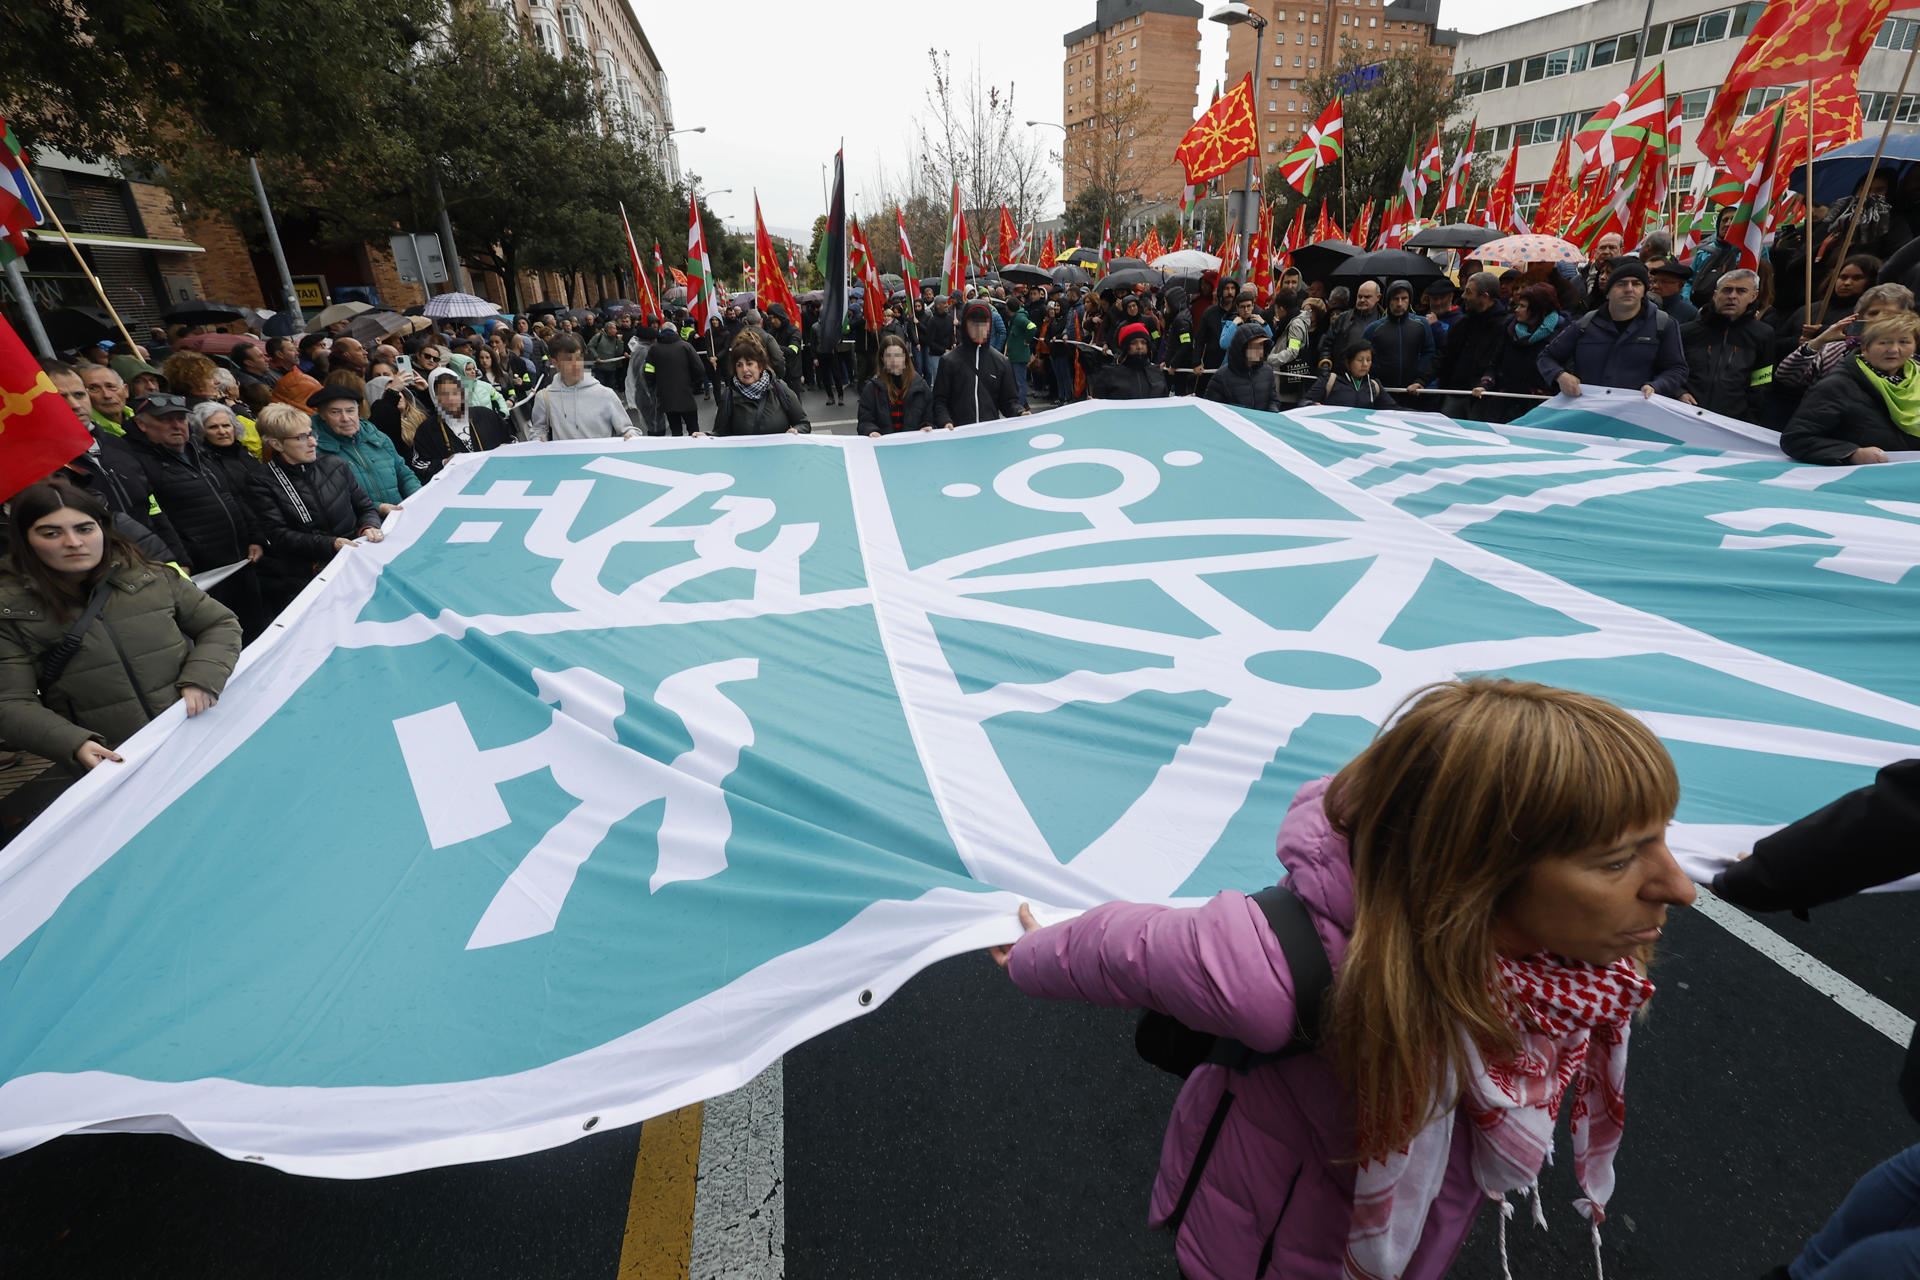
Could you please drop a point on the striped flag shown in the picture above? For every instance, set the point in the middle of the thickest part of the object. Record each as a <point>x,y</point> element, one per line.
<point>1753,216</point>
<point>19,211</point>
<point>701,301</point>
<point>1634,121</point>
<point>953,267</point>
<point>1503,211</point>
<point>1455,191</point>
<point>908,271</point>
<point>1323,143</point>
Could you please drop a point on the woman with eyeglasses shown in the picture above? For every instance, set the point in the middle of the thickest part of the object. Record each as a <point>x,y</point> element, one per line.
<point>307,506</point>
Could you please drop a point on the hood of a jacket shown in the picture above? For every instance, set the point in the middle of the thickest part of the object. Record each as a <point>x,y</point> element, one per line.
<point>777,311</point>
<point>1243,337</point>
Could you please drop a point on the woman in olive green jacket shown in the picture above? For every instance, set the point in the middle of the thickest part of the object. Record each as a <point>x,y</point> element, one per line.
<point>155,639</point>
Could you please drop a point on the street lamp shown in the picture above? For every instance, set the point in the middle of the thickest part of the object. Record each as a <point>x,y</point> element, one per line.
<point>1234,15</point>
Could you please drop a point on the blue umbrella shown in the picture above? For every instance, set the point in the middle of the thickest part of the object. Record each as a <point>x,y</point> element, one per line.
<point>1837,174</point>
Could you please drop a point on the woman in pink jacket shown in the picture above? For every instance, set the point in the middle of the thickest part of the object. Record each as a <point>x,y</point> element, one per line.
<point>1488,879</point>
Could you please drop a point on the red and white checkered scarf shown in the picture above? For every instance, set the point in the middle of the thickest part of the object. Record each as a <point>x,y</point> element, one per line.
<point>1573,1020</point>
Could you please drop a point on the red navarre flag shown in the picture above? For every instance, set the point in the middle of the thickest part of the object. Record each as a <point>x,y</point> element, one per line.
<point>1222,137</point>
<point>38,432</point>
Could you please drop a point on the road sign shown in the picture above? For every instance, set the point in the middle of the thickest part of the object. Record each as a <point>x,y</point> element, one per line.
<point>414,252</point>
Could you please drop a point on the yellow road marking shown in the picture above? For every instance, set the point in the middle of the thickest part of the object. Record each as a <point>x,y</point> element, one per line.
<point>658,1244</point>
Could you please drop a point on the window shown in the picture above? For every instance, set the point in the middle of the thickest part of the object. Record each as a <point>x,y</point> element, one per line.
<point>1681,34</point>
<point>1279,60</point>
<point>1273,82</point>
<point>1299,37</point>
<point>1536,69</point>
<point>1316,19</point>
<point>1296,59</point>
<point>547,36</point>
<point>1557,62</point>
<point>1312,62</point>
<point>1134,65</point>
<point>1272,127</point>
<point>1273,104</point>
<point>1603,52</point>
<point>1694,103</point>
<point>1369,44</point>
<point>1496,77</point>
<point>575,28</point>
<point>1745,15</point>
<point>1896,33</point>
<point>1313,42</point>
<point>1135,44</point>
<point>1371,22</point>
<point>1714,26</point>
<point>1759,100</point>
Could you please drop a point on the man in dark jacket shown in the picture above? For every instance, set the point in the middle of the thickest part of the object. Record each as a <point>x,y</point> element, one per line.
<point>1402,342</point>
<point>974,383</point>
<point>210,519</point>
<point>786,335</point>
<point>1213,320</point>
<point>1476,337</point>
<point>936,332</point>
<point>1669,280</point>
<point>675,372</point>
<point>1730,350</point>
<point>1626,343</point>
<point>1246,379</point>
<point>1133,376</point>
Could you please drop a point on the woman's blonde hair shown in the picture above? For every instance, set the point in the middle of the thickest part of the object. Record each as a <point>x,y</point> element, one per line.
<point>1446,812</point>
<point>279,422</point>
<point>1898,324</point>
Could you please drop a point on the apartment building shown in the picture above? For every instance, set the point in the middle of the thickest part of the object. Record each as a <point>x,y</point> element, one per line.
<point>1133,48</point>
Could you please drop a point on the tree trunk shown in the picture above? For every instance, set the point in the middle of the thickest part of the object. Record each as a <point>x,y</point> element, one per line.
<point>509,262</point>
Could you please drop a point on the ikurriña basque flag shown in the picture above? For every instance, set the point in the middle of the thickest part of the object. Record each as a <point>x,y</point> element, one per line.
<point>618,770</point>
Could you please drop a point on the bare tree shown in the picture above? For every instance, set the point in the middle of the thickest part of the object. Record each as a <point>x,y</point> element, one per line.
<point>1106,160</point>
<point>970,133</point>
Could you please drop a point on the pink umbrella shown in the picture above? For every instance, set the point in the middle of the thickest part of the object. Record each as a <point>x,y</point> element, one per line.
<point>1521,249</point>
<point>218,344</point>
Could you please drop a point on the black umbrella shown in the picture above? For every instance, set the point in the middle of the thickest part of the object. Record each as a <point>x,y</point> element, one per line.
<point>1190,281</point>
<point>71,327</point>
<point>1121,264</point>
<point>1127,277</point>
<point>1322,258</point>
<point>546,308</point>
<point>281,324</point>
<point>1066,273</point>
<point>1457,236</point>
<point>1389,264</point>
<point>674,294</point>
<point>616,303</point>
<point>1026,273</point>
<point>198,311</point>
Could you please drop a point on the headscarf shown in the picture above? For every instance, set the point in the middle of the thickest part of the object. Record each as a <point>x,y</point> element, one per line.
<point>459,425</point>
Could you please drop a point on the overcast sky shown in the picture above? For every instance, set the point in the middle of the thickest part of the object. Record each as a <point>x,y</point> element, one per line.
<point>778,83</point>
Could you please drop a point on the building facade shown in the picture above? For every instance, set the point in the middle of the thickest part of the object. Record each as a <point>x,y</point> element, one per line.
<point>1144,49</point>
<point>1302,40</point>
<point>1534,82</point>
<point>148,250</point>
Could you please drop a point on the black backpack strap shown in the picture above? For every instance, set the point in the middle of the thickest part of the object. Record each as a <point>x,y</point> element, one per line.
<point>54,662</point>
<point>1312,975</point>
<point>1307,961</point>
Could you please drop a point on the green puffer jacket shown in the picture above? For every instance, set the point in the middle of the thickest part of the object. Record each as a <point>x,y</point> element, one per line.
<point>157,629</point>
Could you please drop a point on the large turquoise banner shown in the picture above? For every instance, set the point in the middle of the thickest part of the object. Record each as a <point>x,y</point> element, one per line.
<point>617,771</point>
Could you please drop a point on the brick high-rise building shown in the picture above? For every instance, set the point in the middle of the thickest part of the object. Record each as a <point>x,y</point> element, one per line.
<point>1133,49</point>
<point>1304,37</point>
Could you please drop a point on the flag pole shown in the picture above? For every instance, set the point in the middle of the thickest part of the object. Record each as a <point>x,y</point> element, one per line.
<point>92,279</point>
<point>1806,224</point>
<point>1866,185</point>
<point>30,313</point>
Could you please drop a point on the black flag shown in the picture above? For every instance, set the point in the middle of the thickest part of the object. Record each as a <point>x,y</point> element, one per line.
<point>833,311</point>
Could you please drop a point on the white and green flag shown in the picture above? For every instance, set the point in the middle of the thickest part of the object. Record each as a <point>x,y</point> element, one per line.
<point>618,770</point>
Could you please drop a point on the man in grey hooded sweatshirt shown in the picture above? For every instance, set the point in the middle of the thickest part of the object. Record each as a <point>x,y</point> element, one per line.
<point>575,406</point>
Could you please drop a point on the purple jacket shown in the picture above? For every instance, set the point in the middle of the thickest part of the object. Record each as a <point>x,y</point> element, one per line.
<point>1276,1175</point>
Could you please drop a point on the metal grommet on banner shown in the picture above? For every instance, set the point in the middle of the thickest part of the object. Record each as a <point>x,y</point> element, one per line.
<point>866,998</point>
<point>591,1122</point>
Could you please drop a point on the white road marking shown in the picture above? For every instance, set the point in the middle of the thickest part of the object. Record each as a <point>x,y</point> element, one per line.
<point>739,1209</point>
<point>1843,991</point>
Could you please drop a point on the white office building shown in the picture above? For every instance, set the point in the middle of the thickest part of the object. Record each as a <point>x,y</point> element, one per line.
<point>1536,81</point>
